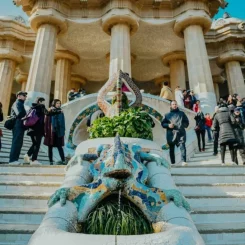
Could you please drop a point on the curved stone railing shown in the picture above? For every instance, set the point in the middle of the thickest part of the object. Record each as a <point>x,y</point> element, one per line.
<point>77,111</point>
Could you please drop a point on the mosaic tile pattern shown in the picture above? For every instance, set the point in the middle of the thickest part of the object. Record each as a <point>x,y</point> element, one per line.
<point>119,166</point>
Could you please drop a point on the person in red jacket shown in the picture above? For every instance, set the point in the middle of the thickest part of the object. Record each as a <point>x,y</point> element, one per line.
<point>208,125</point>
<point>196,106</point>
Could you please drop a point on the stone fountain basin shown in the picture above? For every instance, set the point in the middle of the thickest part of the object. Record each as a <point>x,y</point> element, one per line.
<point>175,226</point>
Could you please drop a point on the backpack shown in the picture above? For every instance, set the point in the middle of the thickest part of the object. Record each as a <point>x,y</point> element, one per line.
<point>31,118</point>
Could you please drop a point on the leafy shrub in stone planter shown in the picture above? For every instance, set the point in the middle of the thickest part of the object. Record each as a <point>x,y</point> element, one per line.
<point>132,122</point>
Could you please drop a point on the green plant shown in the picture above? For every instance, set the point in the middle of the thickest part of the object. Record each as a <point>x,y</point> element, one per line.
<point>107,219</point>
<point>132,122</point>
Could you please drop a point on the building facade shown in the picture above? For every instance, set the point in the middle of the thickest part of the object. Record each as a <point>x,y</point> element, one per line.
<point>80,43</point>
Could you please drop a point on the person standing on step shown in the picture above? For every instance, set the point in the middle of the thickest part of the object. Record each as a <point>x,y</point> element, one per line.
<point>176,122</point>
<point>36,132</point>
<point>215,134</point>
<point>223,123</point>
<point>208,125</point>
<point>55,131</point>
<point>1,119</point>
<point>179,97</point>
<point>238,126</point>
<point>166,92</point>
<point>200,129</point>
<point>18,111</point>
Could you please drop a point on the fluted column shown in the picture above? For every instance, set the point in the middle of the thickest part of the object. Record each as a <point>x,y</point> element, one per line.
<point>192,25</point>
<point>65,60</point>
<point>22,79</point>
<point>218,79</point>
<point>120,24</point>
<point>8,61</point>
<point>231,61</point>
<point>47,23</point>
<point>176,62</point>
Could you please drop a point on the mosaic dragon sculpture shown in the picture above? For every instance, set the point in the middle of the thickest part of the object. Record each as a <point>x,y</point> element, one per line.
<point>116,167</point>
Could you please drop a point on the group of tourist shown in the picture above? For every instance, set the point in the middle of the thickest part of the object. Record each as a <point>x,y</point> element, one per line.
<point>73,94</point>
<point>39,122</point>
<point>184,98</point>
<point>227,126</point>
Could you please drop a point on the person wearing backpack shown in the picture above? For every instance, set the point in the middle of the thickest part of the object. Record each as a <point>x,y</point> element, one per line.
<point>55,131</point>
<point>18,112</point>
<point>35,130</point>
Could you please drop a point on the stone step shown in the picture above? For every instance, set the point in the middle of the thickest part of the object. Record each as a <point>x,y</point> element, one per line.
<point>207,179</point>
<point>6,151</point>
<point>208,170</point>
<point>16,229</point>
<point>216,204</point>
<point>40,157</point>
<point>39,201</point>
<point>6,161</point>
<point>215,189</point>
<point>228,238</point>
<point>37,177</point>
<point>6,168</point>
<point>25,187</point>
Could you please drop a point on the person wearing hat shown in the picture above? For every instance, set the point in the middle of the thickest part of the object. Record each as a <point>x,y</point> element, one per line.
<point>238,127</point>
<point>18,111</point>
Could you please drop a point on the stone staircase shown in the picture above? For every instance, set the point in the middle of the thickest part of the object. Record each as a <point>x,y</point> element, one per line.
<point>216,194</point>
<point>6,145</point>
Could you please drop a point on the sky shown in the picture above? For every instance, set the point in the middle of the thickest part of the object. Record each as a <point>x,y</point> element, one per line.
<point>236,8</point>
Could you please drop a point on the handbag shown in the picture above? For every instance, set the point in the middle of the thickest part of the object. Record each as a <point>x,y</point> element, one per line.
<point>31,118</point>
<point>10,123</point>
<point>197,128</point>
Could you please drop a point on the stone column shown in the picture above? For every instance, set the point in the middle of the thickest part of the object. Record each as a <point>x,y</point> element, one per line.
<point>8,61</point>
<point>218,79</point>
<point>22,79</point>
<point>231,60</point>
<point>48,24</point>
<point>65,60</point>
<point>176,61</point>
<point>192,25</point>
<point>120,24</point>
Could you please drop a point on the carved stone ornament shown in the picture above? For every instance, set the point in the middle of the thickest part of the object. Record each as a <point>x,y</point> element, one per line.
<point>241,26</point>
<point>20,19</point>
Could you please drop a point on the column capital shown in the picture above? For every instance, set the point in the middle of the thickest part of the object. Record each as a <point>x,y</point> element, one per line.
<point>231,55</point>
<point>48,16</point>
<point>21,78</point>
<point>175,55</point>
<point>68,55</point>
<point>133,58</point>
<point>120,16</point>
<point>218,79</point>
<point>10,54</point>
<point>79,79</point>
<point>192,17</point>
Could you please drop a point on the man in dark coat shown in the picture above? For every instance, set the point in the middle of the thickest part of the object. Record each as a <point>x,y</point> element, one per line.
<point>238,127</point>
<point>176,122</point>
<point>18,111</point>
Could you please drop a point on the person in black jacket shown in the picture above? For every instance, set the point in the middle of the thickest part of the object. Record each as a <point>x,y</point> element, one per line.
<point>36,132</point>
<point>223,123</point>
<point>238,127</point>
<point>200,129</point>
<point>18,111</point>
<point>176,122</point>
